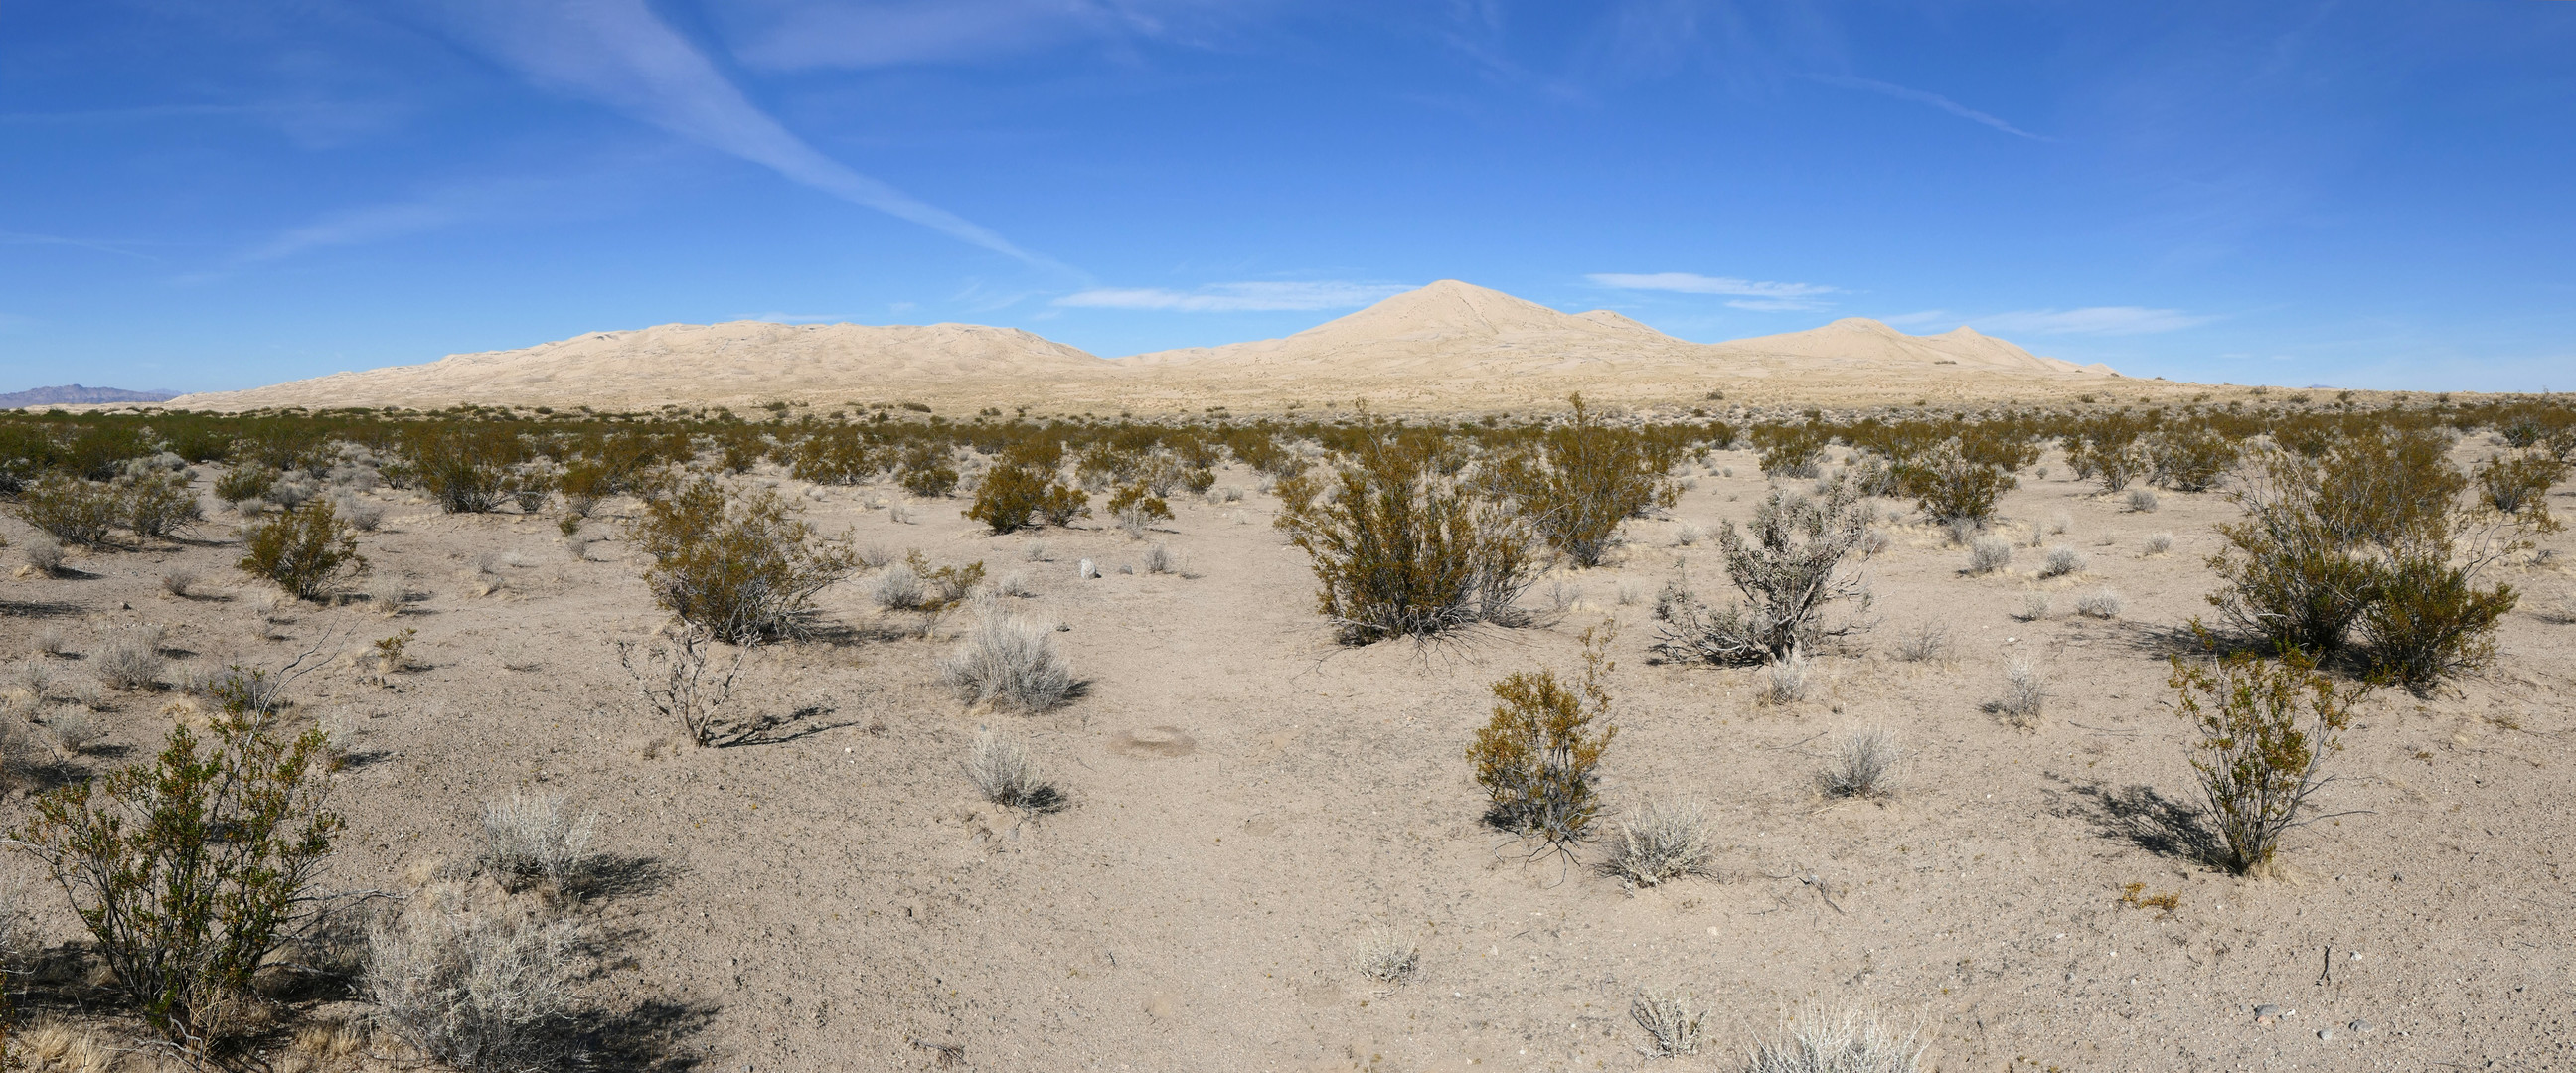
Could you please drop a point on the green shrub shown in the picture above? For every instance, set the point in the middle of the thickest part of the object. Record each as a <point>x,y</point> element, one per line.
<point>1791,450</point>
<point>1535,757</point>
<point>836,456</point>
<point>2428,620</point>
<point>2519,484</point>
<point>1402,548</point>
<point>2266,728</point>
<point>190,871</point>
<point>75,511</point>
<point>157,505</point>
<point>1952,485</point>
<point>469,467</point>
<point>2106,448</point>
<point>742,567</point>
<point>928,470</point>
<point>2191,459</point>
<point>1015,496</point>
<point>245,482</point>
<point>1136,507</point>
<point>1587,478</point>
<point>1789,570</point>
<point>306,551</point>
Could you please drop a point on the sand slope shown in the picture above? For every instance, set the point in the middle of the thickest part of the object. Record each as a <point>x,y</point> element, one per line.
<point>743,360</point>
<point>1441,346</point>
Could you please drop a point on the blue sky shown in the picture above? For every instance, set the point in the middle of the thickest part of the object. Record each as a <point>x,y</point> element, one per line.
<point>206,196</point>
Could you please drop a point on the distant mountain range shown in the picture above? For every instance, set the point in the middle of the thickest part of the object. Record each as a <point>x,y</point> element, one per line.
<point>75,395</point>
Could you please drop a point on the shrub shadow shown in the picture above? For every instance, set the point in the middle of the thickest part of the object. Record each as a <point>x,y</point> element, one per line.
<point>2141,816</point>
<point>613,875</point>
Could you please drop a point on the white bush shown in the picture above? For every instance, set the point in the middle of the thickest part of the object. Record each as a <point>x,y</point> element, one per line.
<point>1010,663</point>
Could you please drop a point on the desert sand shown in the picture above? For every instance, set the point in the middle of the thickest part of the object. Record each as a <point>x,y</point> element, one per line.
<point>1441,348</point>
<point>1250,801</point>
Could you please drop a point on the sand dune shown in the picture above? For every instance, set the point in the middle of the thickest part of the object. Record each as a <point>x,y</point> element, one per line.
<point>1446,345</point>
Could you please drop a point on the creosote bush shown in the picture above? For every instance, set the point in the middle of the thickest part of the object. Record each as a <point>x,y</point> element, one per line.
<point>1584,479</point>
<point>1016,496</point>
<point>191,870</point>
<point>2266,730</point>
<point>305,551</point>
<point>1401,547</point>
<point>1535,757</point>
<point>1789,570</point>
<point>740,565</point>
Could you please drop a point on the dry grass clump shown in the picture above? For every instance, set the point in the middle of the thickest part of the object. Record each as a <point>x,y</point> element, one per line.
<point>2062,560</point>
<point>1863,764</point>
<point>2159,543</point>
<point>1672,1027</point>
<point>2142,500</point>
<point>1160,560</point>
<point>1005,775</point>
<point>2100,603</point>
<point>475,991</point>
<point>529,838</point>
<point>1927,641</point>
<point>1010,663</point>
<point>1988,554</point>
<point>77,729</point>
<point>1658,842</point>
<point>2060,522</point>
<point>1689,534</point>
<point>44,554</point>
<point>1386,959</point>
<point>179,581</point>
<point>32,677</point>
<point>1015,583</point>
<point>2036,606</point>
<point>2025,698</point>
<point>899,589</point>
<point>51,641</point>
<point>1785,681</point>
<point>1845,1042</point>
<point>133,659</point>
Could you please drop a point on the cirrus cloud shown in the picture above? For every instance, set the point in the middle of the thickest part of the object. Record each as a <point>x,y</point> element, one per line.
<point>2092,320</point>
<point>1237,297</point>
<point>1759,295</point>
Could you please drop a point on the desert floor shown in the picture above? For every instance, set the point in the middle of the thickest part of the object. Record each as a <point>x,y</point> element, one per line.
<point>1250,801</point>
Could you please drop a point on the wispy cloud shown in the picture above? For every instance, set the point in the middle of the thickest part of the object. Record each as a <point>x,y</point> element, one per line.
<point>20,238</point>
<point>620,54</point>
<point>1236,297</point>
<point>2091,320</point>
<point>796,34</point>
<point>1936,100</point>
<point>1907,320</point>
<point>1758,295</point>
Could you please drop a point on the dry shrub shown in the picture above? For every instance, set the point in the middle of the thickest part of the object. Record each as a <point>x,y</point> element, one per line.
<point>2191,458</point>
<point>1672,1026</point>
<point>132,660</point>
<point>178,581</point>
<point>1401,547</point>
<point>2142,500</point>
<point>1535,757</point>
<point>1928,640</point>
<point>899,589</point>
<point>1658,842</point>
<point>1960,479</point>
<point>1784,681</point>
<point>2519,484</point>
<point>2025,699</point>
<point>2100,603</point>
<point>2062,560</point>
<point>1386,959</point>
<point>475,991</point>
<point>685,688</point>
<point>2266,729</point>
<point>305,551</point>
<point>742,566</point>
<point>470,467</point>
<point>531,838</point>
<point>1003,772</point>
<point>1789,571</point>
<point>44,553</point>
<point>1844,1042</point>
<point>159,504</point>
<point>1863,764</point>
<point>1010,663</point>
<point>78,729</point>
<point>1989,554</point>
<point>2159,543</point>
<point>1160,560</point>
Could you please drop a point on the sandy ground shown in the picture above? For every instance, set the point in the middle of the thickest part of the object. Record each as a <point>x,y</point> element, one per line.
<point>1250,800</point>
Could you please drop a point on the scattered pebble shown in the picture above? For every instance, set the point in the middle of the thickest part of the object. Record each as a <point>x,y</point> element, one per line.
<point>2266,1014</point>
<point>2325,1033</point>
<point>2361,1027</point>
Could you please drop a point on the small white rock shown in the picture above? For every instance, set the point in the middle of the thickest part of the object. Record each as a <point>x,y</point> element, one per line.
<point>1087,571</point>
